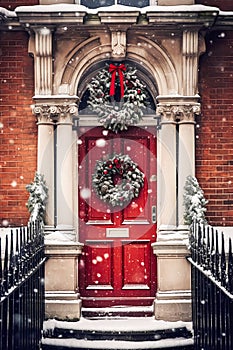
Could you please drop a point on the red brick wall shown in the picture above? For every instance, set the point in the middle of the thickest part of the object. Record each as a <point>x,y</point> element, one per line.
<point>214,143</point>
<point>224,5</point>
<point>18,130</point>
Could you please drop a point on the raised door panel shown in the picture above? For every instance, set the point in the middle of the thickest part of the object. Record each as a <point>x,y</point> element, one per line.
<point>136,261</point>
<point>99,265</point>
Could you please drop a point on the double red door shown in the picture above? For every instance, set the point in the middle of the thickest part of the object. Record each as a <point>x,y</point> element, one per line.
<point>117,266</point>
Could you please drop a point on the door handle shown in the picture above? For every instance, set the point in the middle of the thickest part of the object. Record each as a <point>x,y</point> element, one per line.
<point>153,214</point>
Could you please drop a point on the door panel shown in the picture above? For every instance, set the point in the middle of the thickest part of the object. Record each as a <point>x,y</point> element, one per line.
<point>99,265</point>
<point>135,267</point>
<point>117,265</point>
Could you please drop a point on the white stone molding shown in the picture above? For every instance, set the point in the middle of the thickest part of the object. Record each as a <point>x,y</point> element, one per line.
<point>43,61</point>
<point>116,16</point>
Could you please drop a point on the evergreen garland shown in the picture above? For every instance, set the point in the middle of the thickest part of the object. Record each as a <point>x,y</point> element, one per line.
<point>113,115</point>
<point>194,202</point>
<point>38,198</point>
<point>132,180</point>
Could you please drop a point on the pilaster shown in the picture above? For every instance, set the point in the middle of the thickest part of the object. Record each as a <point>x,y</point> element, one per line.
<point>43,61</point>
<point>190,54</point>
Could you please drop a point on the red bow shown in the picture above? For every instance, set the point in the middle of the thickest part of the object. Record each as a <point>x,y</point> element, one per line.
<point>113,70</point>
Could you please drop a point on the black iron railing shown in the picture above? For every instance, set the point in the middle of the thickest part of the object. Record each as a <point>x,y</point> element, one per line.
<point>212,288</point>
<point>22,288</point>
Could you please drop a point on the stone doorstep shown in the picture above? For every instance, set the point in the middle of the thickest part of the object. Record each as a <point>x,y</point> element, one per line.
<point>127,333</point>
<point>138,336</point>
<point>117,312</point>
<point>75,344</point>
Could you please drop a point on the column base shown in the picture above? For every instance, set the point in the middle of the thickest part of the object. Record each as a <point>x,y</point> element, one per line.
<point>62,306</point>
<point>61,279</point>
<point>173,306</point>
<point>173,298</point>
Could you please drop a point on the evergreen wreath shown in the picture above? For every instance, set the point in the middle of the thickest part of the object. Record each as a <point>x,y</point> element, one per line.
<point>117,111</point>
<point>118,167</point>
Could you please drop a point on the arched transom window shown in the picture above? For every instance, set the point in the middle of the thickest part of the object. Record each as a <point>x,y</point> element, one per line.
<point>100,3</point>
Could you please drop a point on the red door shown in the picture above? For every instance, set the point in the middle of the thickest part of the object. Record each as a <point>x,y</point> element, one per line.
<point>117,266</point>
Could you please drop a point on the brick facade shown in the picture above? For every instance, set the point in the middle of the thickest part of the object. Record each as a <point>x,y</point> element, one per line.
<point>18,140</point>
<point>214,132</point>
<point>214,146</point>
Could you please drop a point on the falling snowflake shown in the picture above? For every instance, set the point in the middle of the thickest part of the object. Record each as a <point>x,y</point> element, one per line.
<point>100,143</point>
<point>85,193</point>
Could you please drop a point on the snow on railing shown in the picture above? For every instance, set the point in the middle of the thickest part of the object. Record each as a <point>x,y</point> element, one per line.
<point>212,288</point>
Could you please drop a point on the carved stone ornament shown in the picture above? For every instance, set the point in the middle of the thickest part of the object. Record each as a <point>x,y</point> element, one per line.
<point>178,112</point>
<point>118,44</point>
<point>55,113</point>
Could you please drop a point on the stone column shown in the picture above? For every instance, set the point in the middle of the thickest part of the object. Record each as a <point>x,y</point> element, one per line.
<point>186,153</point>
<point>176,160</point>
<point>45,155</point>
<point>64,166</point>
<point>166,162</point>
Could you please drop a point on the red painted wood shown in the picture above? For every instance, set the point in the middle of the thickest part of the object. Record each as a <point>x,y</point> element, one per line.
<point>117,270</point>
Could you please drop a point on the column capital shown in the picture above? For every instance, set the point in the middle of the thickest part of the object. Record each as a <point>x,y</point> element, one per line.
<point>43,113</point>
<point>180,109</point>
<point>59,110</point>
<point>65,113</point>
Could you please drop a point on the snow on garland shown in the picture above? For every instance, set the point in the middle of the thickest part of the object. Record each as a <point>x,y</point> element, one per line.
<point>122,168</point>
<point>194,202</point>
<point>38,198</point>
<point>117,116</point>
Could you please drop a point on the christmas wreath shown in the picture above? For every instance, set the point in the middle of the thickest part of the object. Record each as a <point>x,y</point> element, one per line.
<point>117,180</point>
<point>117,96</point>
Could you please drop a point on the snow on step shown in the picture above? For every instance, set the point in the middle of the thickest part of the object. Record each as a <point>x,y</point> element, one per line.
<point>124,333</point>
<point>117,345</point>
<point>132,324</point>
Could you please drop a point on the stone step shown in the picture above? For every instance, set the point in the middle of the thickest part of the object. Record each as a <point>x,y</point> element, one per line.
<point>75,344</point>
<point>117,311</point>
<point>121,333</point>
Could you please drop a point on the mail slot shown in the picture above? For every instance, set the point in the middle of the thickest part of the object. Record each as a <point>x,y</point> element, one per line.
<point>117,232</point>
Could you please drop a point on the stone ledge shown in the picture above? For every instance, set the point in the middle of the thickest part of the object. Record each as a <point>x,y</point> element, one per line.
<point>63,309</point>
<point>63,249</point>
<point>171,248</point>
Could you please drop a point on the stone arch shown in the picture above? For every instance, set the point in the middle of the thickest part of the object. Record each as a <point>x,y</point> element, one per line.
<point>155,65</point>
